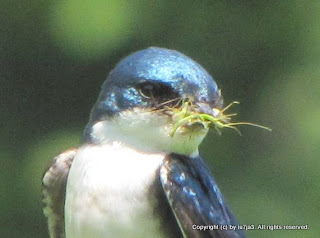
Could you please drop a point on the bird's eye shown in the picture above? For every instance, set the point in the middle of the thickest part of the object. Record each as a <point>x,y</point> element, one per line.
<point>156,92</point>
<point>147,90</point>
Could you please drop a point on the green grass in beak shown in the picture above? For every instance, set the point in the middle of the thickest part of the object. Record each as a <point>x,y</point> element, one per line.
<point>187,115</point>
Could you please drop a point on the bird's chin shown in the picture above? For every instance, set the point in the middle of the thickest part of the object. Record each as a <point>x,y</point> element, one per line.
<point>187,139</point>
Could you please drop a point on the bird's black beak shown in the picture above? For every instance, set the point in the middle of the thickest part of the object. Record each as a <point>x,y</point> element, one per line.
<point>209,104</point>
<point>204,108</point>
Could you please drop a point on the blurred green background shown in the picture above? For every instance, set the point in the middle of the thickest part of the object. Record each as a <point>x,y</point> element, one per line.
<point>54,56</point>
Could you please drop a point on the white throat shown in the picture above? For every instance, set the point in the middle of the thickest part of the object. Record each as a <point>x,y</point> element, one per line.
<point>147,131</point>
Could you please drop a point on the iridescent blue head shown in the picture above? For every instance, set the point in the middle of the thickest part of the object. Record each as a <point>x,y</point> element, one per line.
<point>150,77</point>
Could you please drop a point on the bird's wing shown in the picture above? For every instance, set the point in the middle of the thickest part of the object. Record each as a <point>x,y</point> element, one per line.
<point>195,198</point>
<point>54,192</point>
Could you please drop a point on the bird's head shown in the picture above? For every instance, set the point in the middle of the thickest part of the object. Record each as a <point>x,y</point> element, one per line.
<point>144,99</point>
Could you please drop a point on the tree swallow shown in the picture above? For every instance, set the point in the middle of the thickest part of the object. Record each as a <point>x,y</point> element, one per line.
<point>132,177</point>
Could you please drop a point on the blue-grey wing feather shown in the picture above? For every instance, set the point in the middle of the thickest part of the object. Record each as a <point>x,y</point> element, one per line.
<point>195,197</point>
<point>54,184</point>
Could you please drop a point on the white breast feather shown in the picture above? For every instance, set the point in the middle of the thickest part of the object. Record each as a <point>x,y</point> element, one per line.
<point>108,183</point>
<point>107,192</point>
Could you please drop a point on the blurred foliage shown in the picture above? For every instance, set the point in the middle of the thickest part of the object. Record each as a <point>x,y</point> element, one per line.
<point>54,55</point>
<point>92,29</point>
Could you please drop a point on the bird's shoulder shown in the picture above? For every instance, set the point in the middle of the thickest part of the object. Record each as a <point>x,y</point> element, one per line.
<point>54,191</point>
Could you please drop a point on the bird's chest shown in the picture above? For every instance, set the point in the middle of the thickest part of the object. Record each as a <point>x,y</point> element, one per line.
<point>108,193</point>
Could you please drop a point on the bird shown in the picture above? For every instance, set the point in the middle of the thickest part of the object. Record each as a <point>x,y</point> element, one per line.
<point>131,176</point>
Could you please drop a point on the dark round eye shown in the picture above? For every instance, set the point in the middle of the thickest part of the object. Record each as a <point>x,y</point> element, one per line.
<point>147,90</point>
<point>156,92</point>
